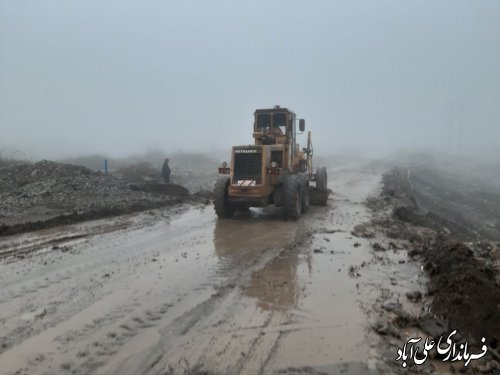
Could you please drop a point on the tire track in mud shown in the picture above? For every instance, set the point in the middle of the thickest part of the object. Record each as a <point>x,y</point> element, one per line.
<point>61,288</point>
<point>203,330</point>
<point>20,246</point>
<point>90,346</point>
<point>329,332</point>
<point>113,332</point>
<point>196,295</point>
<point>221,327</point>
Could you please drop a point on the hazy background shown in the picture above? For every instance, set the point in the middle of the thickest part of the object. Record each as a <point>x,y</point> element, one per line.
<point>118,77</point>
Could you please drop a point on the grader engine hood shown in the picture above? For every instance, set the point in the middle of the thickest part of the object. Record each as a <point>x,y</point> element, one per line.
<point>246,166</point>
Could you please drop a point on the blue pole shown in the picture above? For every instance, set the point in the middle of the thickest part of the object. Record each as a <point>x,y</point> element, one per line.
<point>106,167</point>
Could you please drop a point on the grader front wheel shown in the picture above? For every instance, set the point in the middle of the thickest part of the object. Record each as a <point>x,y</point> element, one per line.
<point>292,200</point>
<point>223,207</point>
<point>304,192</point>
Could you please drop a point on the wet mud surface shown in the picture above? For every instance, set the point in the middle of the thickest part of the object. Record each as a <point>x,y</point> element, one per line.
<point>444,226</point>
<point>176,291</point>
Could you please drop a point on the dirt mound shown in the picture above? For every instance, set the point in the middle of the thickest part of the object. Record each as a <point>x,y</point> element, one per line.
<point>453,225</point>
<point>195,171</point>
<point>445,203</point>
<point>16,176</point>
<point>155,187</point>
<point>464,289</point>
<point>139,172</point>
<point>49,193</point>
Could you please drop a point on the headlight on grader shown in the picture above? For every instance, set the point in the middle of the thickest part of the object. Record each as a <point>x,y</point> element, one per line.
<point>224,169</point>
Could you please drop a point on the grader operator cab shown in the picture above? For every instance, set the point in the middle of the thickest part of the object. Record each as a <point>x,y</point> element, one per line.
<point>274,170</point>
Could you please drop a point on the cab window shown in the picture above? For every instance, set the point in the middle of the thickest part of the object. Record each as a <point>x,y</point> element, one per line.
<point>263,121</point>
<point>280,121</point>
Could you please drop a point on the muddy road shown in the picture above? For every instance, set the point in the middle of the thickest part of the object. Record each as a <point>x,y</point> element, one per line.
<point>177,291</point>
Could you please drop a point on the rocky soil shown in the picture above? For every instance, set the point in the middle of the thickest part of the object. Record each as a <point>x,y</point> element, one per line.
<point>451,226</point>
<point>47,193</point>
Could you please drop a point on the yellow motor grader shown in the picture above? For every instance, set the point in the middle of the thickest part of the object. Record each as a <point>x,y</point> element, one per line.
<point>274,170</point>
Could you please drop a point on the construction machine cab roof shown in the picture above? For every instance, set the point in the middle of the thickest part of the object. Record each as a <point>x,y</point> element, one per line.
<point>274,118</point>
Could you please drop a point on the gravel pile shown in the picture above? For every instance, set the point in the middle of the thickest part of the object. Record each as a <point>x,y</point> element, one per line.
<point>45,190</point>
<point>15,176</point>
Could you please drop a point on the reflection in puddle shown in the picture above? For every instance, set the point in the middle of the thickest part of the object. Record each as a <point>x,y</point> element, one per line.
<point>240,243</point>
<point>275,285</point>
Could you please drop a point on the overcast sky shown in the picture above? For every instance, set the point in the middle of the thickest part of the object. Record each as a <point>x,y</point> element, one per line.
<point>121,76</point>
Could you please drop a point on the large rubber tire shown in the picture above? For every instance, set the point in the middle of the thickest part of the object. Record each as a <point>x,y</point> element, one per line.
<point>223,208</point>
<point>304,185</point>
<point>321,179</point>
<point>292,202</point>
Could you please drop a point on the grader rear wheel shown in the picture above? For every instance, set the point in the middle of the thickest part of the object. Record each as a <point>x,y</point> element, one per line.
<point>319,194</point>
<point>321,179</point>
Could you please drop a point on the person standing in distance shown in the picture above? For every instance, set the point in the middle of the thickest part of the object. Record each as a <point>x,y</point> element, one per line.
<point>165,171</point>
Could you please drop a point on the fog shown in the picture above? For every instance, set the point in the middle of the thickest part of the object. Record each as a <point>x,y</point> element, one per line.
<point>373,77</point>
